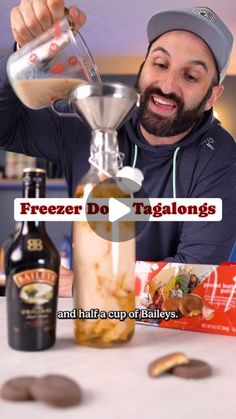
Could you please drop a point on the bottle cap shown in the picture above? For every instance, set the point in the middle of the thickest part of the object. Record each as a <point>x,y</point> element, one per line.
<point>131,179</point>
<point>34,170</point>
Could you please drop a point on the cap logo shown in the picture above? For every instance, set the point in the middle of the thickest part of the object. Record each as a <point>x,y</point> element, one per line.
<point>207,13</point>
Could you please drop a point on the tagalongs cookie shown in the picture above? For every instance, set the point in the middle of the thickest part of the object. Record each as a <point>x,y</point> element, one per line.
<point>17,389</point>
<point>191,305</point>
<point>171,304</point>
<point>180,365</point>
<point>194,369</point>
<point>161,365</point>
<point>56,390</point>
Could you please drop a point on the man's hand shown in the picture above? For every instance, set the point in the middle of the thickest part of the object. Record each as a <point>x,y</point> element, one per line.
<point>32,17</point>
<point>65,282</point>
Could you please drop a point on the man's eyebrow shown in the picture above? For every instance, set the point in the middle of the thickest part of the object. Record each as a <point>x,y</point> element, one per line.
<point>199,62</point>
<point>162,50</point>
<point>192,62</point>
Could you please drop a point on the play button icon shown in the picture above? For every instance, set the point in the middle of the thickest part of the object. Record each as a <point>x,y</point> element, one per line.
<point>117,210</point>
<point>113,193</point>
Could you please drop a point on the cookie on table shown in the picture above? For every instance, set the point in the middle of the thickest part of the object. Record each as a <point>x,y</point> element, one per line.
<point>193,370</point>
<point>56,390</point>
<point>18,389</point>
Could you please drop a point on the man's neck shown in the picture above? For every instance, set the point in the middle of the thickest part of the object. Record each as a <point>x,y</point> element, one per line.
<point>154,140</point>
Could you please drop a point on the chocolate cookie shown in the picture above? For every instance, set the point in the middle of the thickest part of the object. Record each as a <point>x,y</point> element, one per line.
<point>165,363</point>
<point>191,305</point>
<point>56,390</point>
<point>171,304</point>
<point>18,389</point>
<point>194,369</point>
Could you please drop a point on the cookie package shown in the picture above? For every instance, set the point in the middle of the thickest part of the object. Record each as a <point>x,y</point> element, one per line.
<point>187,296</point>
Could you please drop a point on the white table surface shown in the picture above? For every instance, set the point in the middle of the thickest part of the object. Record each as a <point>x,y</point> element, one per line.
<point>115,381</point>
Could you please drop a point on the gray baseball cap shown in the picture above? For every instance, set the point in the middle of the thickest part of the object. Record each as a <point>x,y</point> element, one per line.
<point>201,21</point>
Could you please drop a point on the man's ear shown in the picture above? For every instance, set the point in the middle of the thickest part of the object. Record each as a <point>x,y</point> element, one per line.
<point>216,93</point>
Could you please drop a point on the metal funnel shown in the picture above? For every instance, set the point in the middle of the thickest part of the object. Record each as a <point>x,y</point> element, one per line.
<point>104,106</point>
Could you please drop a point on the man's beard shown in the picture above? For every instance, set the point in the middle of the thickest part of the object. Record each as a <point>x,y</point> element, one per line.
<point>163,126</point>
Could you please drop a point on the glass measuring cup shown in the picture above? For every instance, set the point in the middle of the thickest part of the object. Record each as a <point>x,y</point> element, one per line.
<point>49,66</point>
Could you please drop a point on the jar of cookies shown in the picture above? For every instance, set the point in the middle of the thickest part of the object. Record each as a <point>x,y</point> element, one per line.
<point>103,255</point>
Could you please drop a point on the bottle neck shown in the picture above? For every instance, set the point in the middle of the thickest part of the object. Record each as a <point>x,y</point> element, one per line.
<point>35,189</point>
<point>104,151</point>
<point>32,226</point>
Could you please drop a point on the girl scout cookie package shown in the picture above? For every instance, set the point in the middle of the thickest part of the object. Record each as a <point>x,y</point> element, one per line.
<point>187,296</point>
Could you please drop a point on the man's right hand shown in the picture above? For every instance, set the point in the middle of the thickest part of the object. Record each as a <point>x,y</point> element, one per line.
<point>32,17</point>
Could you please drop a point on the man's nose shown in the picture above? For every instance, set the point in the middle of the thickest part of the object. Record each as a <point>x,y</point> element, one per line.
<point>169,82</point>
